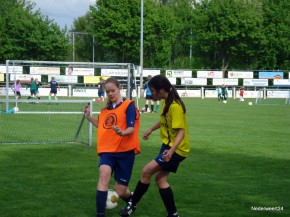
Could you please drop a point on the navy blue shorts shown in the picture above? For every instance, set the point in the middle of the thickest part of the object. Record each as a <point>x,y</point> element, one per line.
<point>121,164</point>
<point>172,164</point>
<point>149,97</point>
<point>54,91</point>
<point>101,93</point>
<point>17,93</point>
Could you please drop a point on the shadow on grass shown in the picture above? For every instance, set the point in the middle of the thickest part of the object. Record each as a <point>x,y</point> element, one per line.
<point>218,184</point>
<point>60,181</point>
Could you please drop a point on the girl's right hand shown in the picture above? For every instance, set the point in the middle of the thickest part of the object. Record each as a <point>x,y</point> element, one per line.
<point>86,111</point>
<point>146,134</point>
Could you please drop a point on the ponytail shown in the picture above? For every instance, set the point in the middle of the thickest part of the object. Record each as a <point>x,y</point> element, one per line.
<point>159,82</point>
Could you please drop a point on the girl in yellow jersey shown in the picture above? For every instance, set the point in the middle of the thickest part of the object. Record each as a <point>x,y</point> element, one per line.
<point>174,149</point>
<point>117,143</point>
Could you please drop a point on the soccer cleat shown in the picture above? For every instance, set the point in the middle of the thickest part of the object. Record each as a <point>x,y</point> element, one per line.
<point>128,209</point>
<point>173,215</point>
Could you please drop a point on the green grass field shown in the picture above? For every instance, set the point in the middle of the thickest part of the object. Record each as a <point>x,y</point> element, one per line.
<point>239,162</point>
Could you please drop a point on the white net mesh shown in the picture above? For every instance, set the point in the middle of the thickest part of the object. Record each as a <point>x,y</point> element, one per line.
<point>273,96</point>
<point>46,121</point>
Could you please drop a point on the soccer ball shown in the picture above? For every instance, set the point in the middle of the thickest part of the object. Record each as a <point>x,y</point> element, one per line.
<point>143,110</point>
<point>16,109</point>
<point>250,103</point>
<point>225,101</point>
<point>112,199</point>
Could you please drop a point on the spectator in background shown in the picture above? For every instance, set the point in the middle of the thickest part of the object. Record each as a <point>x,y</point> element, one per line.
<point>16,87</point>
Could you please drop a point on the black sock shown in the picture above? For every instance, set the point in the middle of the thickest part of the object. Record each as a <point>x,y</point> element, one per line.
<point>146,108</point>
<point>29,97</point>
<point>128,199</point>
<point>101,198</point>
<point>152,108</point>
<point>168,200</point>
<point>38,97</point>
<point>140,190</point>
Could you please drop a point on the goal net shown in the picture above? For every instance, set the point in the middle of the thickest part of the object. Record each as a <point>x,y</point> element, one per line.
<point>44,122</point>
<point>273,97</point>
<point>40,121</point>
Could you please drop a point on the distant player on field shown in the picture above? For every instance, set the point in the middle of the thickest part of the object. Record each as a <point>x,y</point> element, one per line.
<point>219,92</point>
<point>16,87</point>
<point>101,92</point>
<point>38,84</point>
<point>149,97</point>
<point>224,92</point>
<point>32,89</point>
<point>53,88</point>
<point>242,94</point>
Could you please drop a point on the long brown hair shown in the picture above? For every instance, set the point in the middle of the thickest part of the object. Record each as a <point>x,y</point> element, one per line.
<point>159,82</point>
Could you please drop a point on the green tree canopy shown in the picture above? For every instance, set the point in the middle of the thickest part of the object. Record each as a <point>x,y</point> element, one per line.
<point>275,52</point>
<point>25,34</point>
<point>227,32</point>
<point>220,34</point>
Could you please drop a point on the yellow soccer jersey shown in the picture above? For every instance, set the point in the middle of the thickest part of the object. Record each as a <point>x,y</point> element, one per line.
<point>169,125</point>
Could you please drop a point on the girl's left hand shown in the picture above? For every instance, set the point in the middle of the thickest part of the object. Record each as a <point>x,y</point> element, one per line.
<point>118,130</point>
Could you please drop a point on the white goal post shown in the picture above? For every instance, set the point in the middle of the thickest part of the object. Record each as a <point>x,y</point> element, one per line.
<point>273,96</point>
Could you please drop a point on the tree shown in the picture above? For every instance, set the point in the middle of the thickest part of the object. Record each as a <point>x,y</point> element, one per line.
<point>227,32</point>
<point>29,35</point>
<point>275,52</point>
<point>222,34</point>
<point>160,33</point>
<point>116,27</point>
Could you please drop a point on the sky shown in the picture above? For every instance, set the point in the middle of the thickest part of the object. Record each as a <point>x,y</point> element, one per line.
<point>63,12</point>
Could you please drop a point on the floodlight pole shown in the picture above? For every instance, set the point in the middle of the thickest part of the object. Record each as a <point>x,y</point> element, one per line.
<point>93,60</point>
<point>73,41</point>
<point>73,36</point>
<point>141,45</point>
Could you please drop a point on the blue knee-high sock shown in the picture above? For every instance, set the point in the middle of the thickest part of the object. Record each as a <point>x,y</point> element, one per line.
<point>101,198</point>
